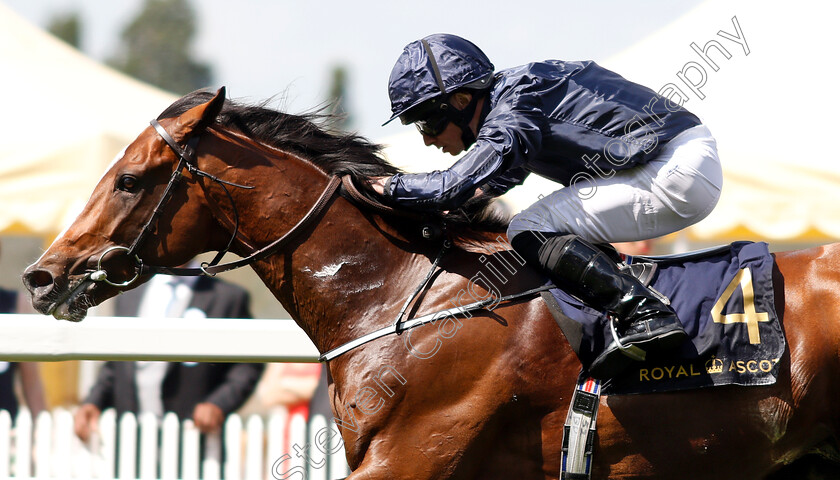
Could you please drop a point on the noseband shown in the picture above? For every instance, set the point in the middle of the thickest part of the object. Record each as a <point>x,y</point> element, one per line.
<point>187,160</point>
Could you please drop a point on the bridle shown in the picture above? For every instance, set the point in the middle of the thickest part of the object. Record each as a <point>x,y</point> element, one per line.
<point>187,161</point>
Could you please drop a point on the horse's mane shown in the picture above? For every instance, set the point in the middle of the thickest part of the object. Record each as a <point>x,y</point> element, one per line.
<point>312,136</point>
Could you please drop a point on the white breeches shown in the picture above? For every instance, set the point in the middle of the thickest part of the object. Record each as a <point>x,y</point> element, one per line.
<point>676,189</point>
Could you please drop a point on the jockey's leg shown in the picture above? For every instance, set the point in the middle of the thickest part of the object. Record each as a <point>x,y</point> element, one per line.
<point>668,193</point>
<point>586,272</point>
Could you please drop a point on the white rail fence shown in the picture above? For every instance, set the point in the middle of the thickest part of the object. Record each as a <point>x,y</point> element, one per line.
<point>130,448</point>
<point>281,447</point>
<point>43,339</point>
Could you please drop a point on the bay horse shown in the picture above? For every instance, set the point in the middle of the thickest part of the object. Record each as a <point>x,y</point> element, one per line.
<point>483,396</point>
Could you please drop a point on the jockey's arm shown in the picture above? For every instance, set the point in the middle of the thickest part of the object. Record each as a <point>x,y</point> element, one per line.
<point>378,186</point>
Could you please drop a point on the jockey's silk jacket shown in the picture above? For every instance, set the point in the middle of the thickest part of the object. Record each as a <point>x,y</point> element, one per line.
<point>563,120</point>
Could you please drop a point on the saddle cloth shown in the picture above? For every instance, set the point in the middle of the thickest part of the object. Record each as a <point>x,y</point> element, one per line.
<point>724,299</point>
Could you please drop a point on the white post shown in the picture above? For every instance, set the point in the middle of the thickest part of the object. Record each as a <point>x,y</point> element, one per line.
<point>148,446</point>
<point>5,443</point>
<point>276,444</point>
<point>211,463</point>
<point>170,442</point>
<point>82,457</point>
<point>105,443</point>
<point>298,448</point>
<point>317,452</point>
<point>190,456</point>
<point>128,447</point>
<point>253,454</point>
<point>43,444</point>
<point>23,444</point>
<point>233,447</point>
<point>62,464</point>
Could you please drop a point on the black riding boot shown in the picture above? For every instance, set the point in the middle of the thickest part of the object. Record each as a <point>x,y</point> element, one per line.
<point>644,322</point>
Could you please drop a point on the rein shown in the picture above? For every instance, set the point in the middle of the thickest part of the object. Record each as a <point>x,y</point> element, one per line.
<point>213,269</point>
<point>187,160</point>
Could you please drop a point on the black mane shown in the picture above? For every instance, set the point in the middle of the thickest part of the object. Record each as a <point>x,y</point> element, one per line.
<point>311,136</point>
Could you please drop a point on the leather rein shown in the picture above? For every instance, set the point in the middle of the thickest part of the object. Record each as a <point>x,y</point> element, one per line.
<point>187,161</point>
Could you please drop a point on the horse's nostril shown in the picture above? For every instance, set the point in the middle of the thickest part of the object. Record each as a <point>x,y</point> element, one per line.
<point>35,279</point>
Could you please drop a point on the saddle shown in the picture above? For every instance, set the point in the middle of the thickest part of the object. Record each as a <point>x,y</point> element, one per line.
<point>642,268</point>
<point>741,347</point>
<point>724,298</point>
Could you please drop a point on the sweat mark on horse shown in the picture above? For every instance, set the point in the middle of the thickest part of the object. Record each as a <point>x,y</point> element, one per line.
<point>492,400</point>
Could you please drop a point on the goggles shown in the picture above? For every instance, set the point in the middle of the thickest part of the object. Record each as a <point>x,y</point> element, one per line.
<point>433,125</point>
<point>430,117</point>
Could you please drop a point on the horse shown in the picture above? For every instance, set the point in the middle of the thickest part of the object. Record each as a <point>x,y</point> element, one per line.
<point>483,394</point>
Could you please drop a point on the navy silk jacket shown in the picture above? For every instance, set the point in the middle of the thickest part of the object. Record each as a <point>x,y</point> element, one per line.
<point>561,120</point>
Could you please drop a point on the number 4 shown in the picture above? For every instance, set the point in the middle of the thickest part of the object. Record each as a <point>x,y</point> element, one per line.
<point>750,316</point>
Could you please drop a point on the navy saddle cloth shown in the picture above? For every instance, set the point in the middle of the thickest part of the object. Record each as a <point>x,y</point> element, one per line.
<point>724,299</point>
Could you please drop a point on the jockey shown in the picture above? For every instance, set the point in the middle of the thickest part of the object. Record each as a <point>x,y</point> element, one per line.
<point>634,166</point>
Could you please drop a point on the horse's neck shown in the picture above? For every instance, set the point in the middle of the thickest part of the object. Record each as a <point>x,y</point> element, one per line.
<point>341,281</point>
<point>347,275</point>
<point>331,279</point>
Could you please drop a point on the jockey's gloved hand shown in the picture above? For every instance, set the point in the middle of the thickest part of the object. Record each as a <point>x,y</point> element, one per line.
<point>377,184</point>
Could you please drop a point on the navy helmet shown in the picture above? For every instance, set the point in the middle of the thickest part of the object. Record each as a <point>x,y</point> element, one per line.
<point>433,68</point>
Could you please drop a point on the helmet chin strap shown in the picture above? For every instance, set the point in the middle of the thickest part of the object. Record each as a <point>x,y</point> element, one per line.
<point>462,119</point>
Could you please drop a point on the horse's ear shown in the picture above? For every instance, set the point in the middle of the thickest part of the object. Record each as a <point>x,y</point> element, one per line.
<point>214,107</point>
<point>196,119</point>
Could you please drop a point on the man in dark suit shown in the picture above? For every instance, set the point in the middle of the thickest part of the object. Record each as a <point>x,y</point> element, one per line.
<point>204,392</point>
<point>28,372</point>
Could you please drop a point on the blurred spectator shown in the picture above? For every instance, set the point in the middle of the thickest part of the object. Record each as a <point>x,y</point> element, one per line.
<point>30,377</point>
<point>289,385</point>
<point>203,392</point>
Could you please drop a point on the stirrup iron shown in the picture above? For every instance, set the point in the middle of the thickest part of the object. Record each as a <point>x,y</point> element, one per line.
<point>631,351</point>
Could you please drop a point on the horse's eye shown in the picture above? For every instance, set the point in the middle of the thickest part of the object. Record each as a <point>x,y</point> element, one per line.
<point>127,183</point>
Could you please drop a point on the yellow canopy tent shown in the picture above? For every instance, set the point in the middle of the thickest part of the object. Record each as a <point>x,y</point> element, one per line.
<point>64,118</point>
<point>770,104</point>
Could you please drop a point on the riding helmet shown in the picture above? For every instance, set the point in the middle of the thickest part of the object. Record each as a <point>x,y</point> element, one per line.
<point>433,67</point>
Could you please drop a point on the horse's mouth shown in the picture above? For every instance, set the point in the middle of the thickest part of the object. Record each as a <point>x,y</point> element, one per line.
<point>74,303</point>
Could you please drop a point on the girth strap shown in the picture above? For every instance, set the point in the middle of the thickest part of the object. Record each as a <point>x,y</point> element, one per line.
<point>401,326</point>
